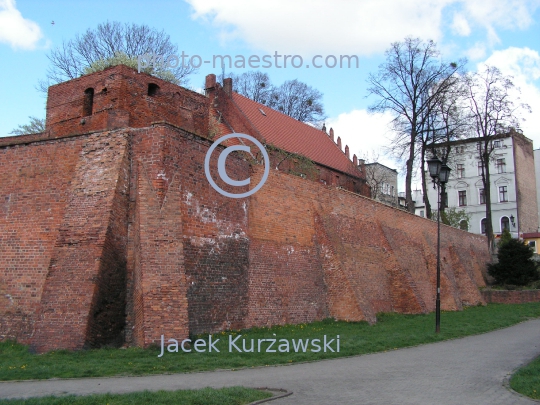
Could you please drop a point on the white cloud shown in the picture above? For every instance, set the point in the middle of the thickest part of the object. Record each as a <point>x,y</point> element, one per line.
<point>460,25</point>
<point>361,27</point>
<point>16,30</point>
<point>364,133</point>
<point>477,52</point>
<point>369,135</point>
<point>323,26</point>
<point>524,65</point>
<point>506,14</point>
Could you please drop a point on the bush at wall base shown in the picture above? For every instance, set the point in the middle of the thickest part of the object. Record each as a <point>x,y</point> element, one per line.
<point>515,264</point>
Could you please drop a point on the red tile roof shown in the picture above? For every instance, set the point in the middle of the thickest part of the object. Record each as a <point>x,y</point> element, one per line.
<point>294,136</point>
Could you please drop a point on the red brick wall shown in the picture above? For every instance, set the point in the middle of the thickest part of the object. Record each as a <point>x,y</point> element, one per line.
<point>316,251</point>
<point>117,235</point>
<point>206,232</point>
<point>120,100</point>
<point>62,231</point>
<point>511,297</point>
<point>107,316</point>
<point>88,253</point>
<point>34,191</point>
<point>183,258</point>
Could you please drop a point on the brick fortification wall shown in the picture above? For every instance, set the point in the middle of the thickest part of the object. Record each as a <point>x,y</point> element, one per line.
<point>63,229</point>
<point>92,222</point>
<point>115,235</point>
<point>188,244</point>
<point>318,252</point>
<point>511,297</point>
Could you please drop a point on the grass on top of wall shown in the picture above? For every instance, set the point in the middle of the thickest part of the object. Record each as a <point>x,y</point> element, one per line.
<point>391,331</point>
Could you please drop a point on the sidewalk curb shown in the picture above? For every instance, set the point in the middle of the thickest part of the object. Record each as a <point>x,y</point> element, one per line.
<point>506,382</point>
<point>284,393</point>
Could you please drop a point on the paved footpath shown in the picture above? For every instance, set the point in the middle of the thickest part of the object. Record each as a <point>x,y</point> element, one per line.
<point>463,372</point>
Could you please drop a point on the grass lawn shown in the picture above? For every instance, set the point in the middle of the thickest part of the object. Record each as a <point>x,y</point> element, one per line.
<point>207,396</point>
<point>526,380</point>
<point>392,331</point>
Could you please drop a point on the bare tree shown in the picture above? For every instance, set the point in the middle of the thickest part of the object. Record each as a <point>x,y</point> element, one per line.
<point>407,85</point>
<point>298,100</point>
<point>35,126</point>
<point>108,40</point>
<point>293,98</point>
<point>254,85</point>
<point>491,112</point>
<point>444,122</point>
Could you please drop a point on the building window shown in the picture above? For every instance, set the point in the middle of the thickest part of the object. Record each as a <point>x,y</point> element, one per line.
<point>532,245</point>
<point>503,194</point>
<point>422,213</point>
<point>459,149</point>
<point>464,225</point>
<point>501,166</point>
<point>498,144</point>
<point>482,196</point>
<point>480,168</point>
<point>483,226</point>
<point>152,89</point>
<point>462,197</point>
<point>505,223</point>
<point>88,104</point>
<point>460,170</point>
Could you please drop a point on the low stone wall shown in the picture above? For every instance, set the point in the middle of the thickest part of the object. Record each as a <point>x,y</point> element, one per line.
<point>511,296</point>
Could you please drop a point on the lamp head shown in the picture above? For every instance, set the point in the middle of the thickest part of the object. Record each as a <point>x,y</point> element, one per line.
<point>444,173</point>
<point>434,167</point>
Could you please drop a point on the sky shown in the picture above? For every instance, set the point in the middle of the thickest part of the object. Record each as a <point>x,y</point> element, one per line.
<point>502,33</point>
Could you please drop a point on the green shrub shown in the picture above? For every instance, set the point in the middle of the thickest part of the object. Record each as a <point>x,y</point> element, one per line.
<point>515,265</point>
<point>505,237</point>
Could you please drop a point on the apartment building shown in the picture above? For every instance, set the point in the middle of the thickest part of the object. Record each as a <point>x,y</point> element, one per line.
<point>513,185</point>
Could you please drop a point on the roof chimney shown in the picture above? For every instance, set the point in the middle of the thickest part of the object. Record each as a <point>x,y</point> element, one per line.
<point>347,152</point>
<point>355,160</point>
<point>227,86</point>
<point>332,133</point>
<point>210,83</point>
<point>324,127</point>
<point>339,142</point>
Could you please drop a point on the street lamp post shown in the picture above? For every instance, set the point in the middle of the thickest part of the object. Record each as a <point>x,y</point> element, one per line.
<point>439,172</point>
